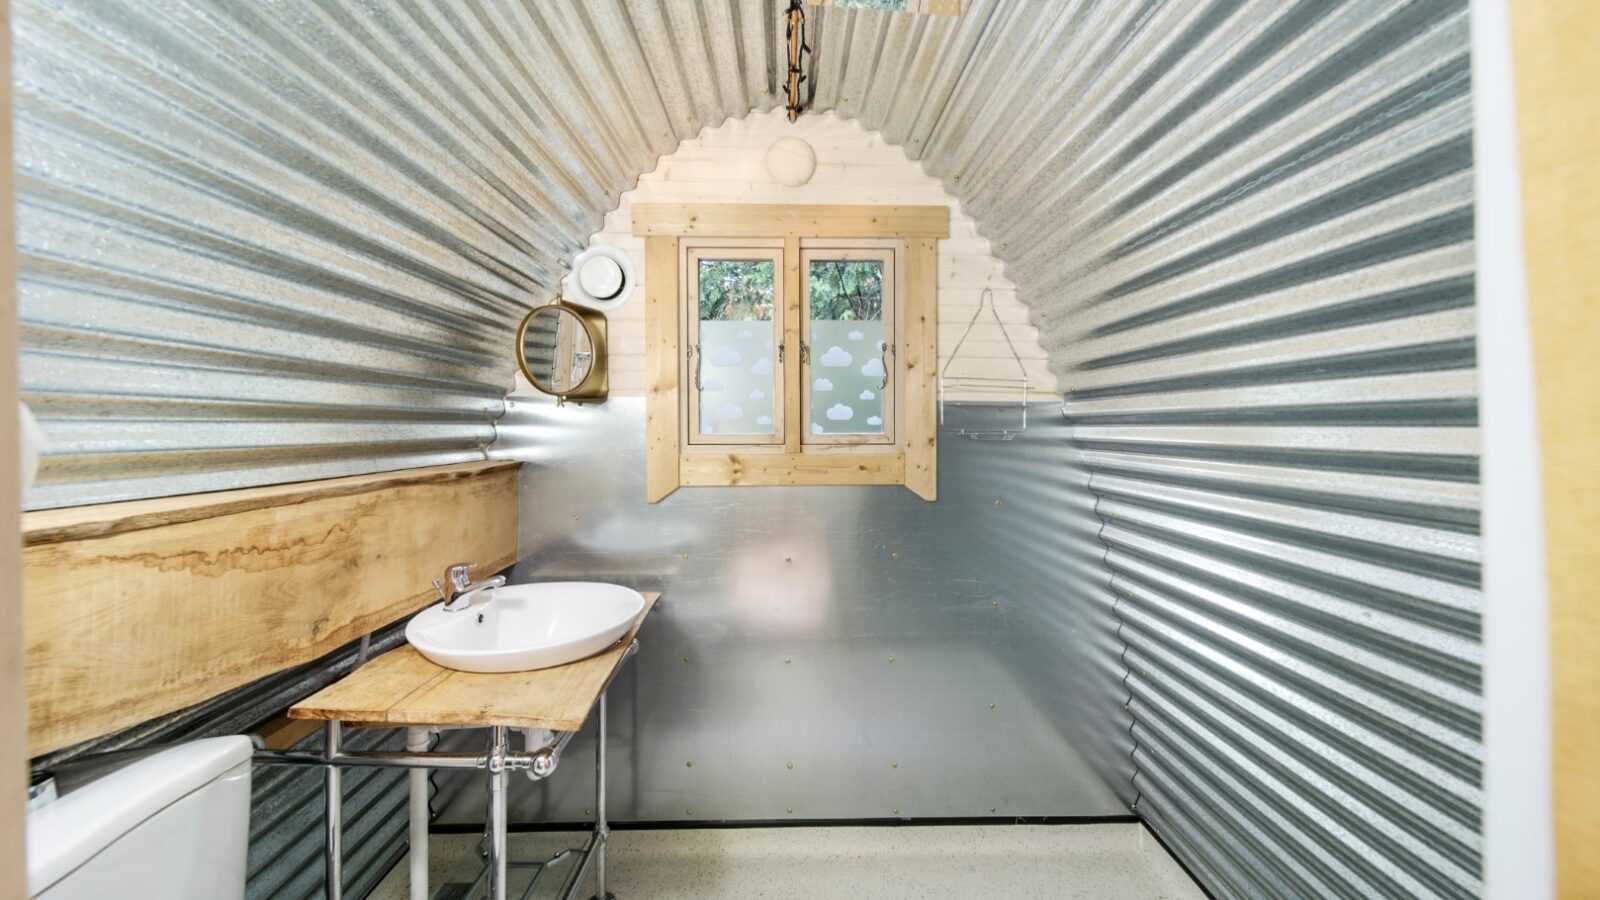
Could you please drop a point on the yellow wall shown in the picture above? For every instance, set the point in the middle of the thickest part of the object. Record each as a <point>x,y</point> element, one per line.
<point>1556,46</point>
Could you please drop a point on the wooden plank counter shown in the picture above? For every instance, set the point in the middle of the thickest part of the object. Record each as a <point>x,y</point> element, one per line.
<point>402,687</point>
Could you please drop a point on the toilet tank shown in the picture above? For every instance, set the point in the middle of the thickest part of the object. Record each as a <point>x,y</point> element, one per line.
<point>171,824</point>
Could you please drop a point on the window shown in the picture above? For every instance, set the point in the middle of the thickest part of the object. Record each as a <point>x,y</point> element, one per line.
<point>791,344</point>
<point>732,305</point>
<point>848,345</point>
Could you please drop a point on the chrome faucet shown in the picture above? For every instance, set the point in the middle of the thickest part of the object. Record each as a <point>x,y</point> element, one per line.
<point>462,587</point>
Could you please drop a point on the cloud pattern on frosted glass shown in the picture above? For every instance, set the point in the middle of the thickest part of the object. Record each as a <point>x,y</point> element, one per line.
<point>736,379</point>
<point>850,360</point>
<point>739,363</point>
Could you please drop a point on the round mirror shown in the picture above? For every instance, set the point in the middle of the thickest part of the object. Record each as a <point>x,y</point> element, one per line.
<point>556,350</point>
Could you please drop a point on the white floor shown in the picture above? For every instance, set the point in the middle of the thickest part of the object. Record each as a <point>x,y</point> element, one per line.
<point>1093,862</point>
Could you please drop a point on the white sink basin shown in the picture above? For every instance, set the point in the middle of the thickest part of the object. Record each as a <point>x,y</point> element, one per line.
<point>526,626</point>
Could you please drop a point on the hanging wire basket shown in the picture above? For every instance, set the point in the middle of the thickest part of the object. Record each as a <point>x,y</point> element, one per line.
<point>987,386</point>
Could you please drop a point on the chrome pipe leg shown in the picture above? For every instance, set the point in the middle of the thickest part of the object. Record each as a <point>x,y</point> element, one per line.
<point>498,777</point>
<point>602,832</point>
<point>417,742</point>
<point>333,797</point>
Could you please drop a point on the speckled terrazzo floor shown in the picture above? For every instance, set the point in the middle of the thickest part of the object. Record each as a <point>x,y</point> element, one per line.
<point>1092,862</point>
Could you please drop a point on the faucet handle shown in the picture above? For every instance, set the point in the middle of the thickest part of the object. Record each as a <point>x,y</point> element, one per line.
<point>458,575</point>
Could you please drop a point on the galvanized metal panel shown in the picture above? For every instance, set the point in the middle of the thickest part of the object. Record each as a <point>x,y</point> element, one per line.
<point>265,243</point>
<point>824,653</point>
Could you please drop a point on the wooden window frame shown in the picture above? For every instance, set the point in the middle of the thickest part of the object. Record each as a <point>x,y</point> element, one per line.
<point>910,460</point>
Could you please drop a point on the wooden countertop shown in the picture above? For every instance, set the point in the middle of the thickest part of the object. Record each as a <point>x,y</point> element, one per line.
<point>402,687</point>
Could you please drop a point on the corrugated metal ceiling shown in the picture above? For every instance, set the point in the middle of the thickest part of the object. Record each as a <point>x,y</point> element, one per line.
<point>264,243</point>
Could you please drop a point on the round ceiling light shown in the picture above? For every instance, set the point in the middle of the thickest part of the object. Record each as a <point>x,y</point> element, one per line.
<point>791,162</point>
<point>602,278</point>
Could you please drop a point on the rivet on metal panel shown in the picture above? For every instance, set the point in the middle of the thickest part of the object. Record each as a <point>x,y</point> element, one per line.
<point>991,706</point>
<point>688,812</point>
<point>788,559</point>
<point>999,503</point>
<point>894,556</point>
<point>789,809</point>
<point>686,659</point>
<point>588,812</point>
<point>790,765</point>
<point>995,604</point>
<point>897,810</point>
<point>891,660</point>
<point>688,764</point>
<point>991,809</point>
<point>786,660</point>
<point>894,765</point>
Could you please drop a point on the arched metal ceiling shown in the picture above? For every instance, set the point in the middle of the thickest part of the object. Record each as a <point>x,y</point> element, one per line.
<point>271,242</point>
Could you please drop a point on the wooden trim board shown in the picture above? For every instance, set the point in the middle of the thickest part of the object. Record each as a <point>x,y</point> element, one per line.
<point>751,469</point>
<point>771,220</point>
<point>210,592</point>
<point>76,523</point>
<point>921,390</point>
<point>661,395</point>
<point>402,687</point>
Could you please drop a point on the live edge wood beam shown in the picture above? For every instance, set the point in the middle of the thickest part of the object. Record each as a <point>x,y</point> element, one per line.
<point>135,610</point>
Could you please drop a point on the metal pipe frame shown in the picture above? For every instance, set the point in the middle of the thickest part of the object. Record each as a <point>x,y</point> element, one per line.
<point>499,761</point>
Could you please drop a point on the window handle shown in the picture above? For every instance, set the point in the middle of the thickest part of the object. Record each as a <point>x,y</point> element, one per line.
<point>699,358</point>
<point>780,353</point>
<point>883,357</point>
<point>805,354</point>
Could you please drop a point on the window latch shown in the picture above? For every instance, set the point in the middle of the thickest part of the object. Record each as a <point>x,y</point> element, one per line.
<point>780,352</point>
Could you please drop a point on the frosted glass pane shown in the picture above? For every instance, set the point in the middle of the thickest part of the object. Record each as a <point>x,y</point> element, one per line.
<point>848,375</point>
<point>736,360</point>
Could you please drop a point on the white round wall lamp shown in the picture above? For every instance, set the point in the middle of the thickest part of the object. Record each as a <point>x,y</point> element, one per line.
<point>791,161</point>
<point>601,278</point>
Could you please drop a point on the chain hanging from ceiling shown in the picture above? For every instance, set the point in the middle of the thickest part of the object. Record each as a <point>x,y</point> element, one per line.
<point>796,32</point>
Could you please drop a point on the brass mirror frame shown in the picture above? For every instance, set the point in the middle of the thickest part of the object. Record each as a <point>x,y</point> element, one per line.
<point>596,385</point>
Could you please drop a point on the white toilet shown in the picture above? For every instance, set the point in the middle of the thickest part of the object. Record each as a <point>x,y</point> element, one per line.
<point>171,824</point>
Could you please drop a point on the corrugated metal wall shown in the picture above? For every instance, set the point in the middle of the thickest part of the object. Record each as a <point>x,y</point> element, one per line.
<point>265,243</point>
<point>286,825</point>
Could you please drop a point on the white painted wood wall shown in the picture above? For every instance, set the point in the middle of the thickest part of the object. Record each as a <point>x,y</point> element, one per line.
<point>727,164</point>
